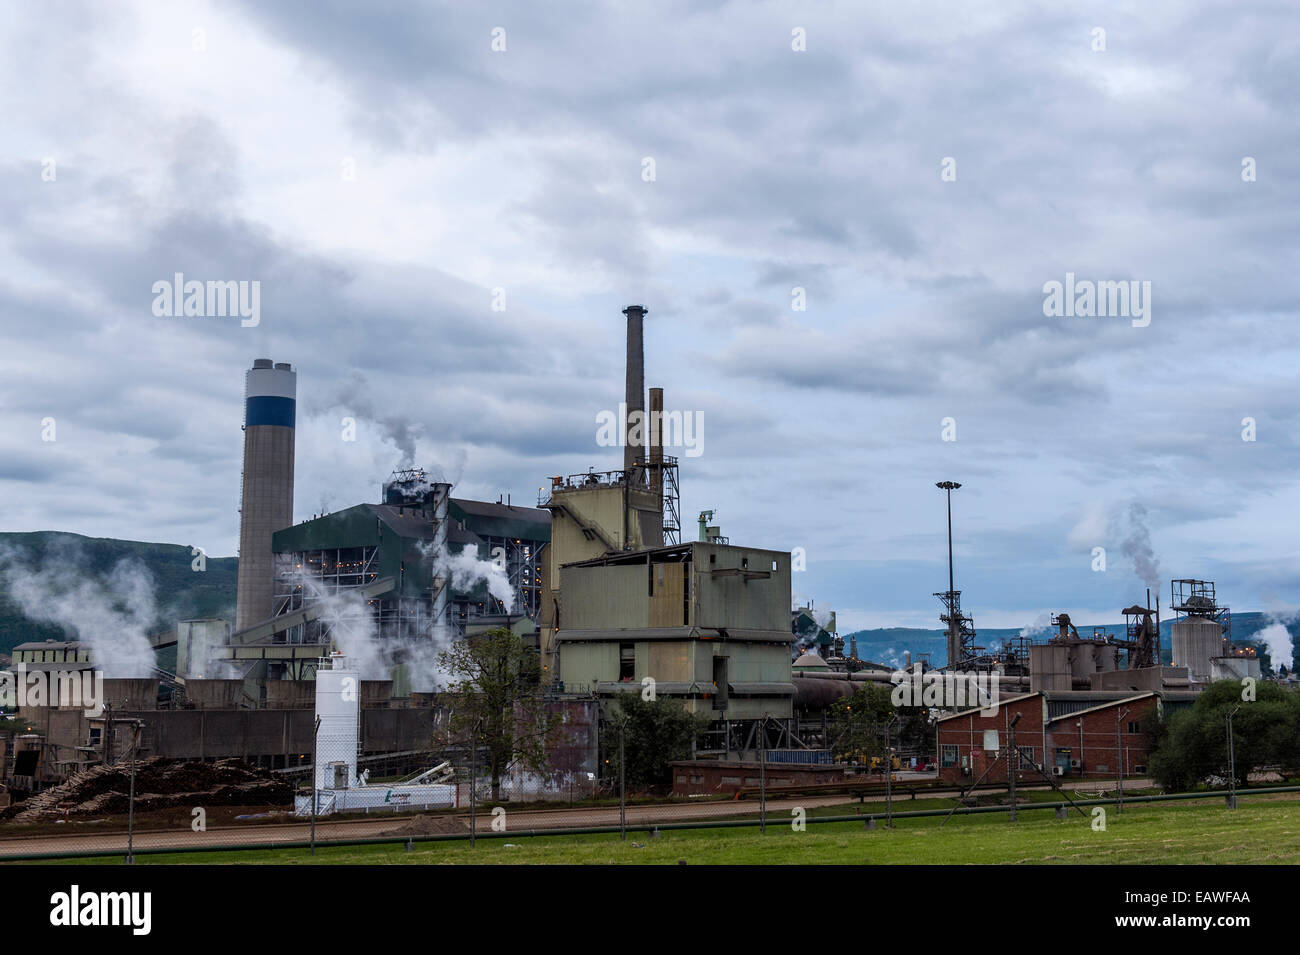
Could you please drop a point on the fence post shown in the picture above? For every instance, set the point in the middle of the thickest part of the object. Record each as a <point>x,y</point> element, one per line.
<point>1232,761</point>
<point>622,785</point>
<point>315,774</point>
<point>473,787</point>
<point>130,802</point>
<point>762,775</point>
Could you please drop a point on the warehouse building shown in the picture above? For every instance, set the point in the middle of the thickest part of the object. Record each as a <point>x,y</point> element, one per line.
<point>1080,735</point>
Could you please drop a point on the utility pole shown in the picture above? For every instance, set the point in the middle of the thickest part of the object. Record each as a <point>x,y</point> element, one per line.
<point>1232,761</point>
<point>1013,763</point>
<point>1119,756</point>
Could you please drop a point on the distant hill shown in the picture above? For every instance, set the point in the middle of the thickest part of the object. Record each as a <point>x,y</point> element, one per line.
<point>887,644</point>
<point>179,592</point>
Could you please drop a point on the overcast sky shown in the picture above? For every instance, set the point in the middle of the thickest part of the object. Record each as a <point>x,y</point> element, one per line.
<point>920,170</point>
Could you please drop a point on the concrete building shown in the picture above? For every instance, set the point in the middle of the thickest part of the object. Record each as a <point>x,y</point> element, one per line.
<point>707,622</point>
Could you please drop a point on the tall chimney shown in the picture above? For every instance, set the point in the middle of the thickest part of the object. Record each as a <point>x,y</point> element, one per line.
<point>634,455</point>
<point>266,500</point>
<point>655,431</point>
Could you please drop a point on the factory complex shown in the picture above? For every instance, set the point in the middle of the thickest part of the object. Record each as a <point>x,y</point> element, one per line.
<point>596,580</point>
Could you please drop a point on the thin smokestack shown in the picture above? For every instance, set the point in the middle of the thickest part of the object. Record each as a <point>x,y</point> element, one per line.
<point>266,501</point>
<point>656,438</point>
<point>634,453</point>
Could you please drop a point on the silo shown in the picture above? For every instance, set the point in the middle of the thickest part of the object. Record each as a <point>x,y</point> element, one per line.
<point>1083,660</point>
<point>266,499</point>
<point>1197,641</point>
<point>339,712</point>
<point>1049,667</point>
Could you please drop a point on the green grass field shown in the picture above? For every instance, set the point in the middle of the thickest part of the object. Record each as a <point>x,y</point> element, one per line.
<point>1265,830</point>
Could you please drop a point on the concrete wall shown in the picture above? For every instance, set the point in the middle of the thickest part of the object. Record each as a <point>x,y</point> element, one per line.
<point>596,598</point>
<point>720,600</point>
<point>718,776</point>
<point>215,694</point>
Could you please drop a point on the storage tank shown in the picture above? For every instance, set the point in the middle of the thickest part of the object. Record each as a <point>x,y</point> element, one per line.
<point>337,708</point>
<point>1049,667</point>
<point>1196,641</point>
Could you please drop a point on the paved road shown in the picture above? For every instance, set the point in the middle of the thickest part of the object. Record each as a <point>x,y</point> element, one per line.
<point>517,820</point>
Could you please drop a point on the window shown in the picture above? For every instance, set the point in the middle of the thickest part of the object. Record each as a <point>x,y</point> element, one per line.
<point>948,755</point>
<point>1134,728</point>
<point>626,661</point>
<point>96,735</point>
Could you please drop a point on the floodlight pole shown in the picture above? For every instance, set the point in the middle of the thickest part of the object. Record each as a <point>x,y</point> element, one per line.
<point>949,487</point>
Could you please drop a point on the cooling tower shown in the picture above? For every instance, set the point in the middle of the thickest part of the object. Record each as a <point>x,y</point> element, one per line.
<point>266,500</point>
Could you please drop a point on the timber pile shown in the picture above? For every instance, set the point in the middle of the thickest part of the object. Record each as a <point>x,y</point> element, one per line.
<point>160,783</point>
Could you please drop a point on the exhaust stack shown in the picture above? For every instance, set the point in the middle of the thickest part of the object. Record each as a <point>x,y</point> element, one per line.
<point>266,497</point>
<point>655,433</point>
<point>634,461</point>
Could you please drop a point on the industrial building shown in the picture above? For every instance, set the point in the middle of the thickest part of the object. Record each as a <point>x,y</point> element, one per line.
<point>707,623</point>
<point>1063,734</point>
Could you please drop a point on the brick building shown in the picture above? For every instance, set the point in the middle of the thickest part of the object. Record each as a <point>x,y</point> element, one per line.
<point>1068,735</point>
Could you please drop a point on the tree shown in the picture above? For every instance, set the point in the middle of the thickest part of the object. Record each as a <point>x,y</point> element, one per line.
<point>1193,742</point>
<point>498,704</point>
<point>655,733</point>
<point>858,723</point>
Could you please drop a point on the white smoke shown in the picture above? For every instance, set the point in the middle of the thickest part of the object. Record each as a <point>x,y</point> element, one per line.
<point>353,628</point>
<point>1042,624</point>
<point>1277,638</point>
<point>113,615</point>
<point>464,570</point>
<point>1137,547</point>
